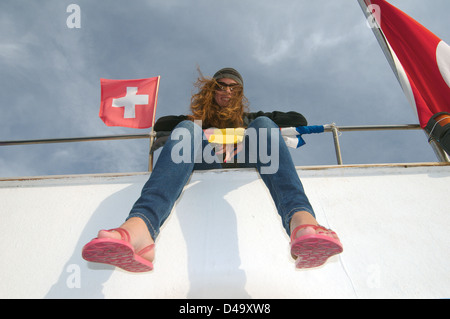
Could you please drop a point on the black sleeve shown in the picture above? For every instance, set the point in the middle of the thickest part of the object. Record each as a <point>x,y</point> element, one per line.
<point>168,123</point>
<point>282,119</point>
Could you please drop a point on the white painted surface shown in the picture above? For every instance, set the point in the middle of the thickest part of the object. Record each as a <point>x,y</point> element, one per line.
<point>224,238</point>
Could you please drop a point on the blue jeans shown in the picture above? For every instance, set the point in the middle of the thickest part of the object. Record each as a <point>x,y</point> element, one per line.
<point>187,149</point>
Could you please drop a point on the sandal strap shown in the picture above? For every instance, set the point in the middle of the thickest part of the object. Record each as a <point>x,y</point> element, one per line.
<point>145,250</point>
<point>295,231</point>
<point>123,233</point>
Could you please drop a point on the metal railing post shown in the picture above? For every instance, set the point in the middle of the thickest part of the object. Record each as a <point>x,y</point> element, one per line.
<point>438,150</point>
<point>150,155</point>
<point>337,146</point>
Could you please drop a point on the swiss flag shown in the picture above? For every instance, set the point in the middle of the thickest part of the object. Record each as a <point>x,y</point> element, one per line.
<point>129,103</point>
<point>422,59</point>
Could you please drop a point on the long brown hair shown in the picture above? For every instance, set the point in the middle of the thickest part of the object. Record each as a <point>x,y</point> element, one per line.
<point>205,108</point>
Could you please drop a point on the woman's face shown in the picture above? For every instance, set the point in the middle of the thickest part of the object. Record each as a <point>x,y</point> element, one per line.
<point>225,91</point>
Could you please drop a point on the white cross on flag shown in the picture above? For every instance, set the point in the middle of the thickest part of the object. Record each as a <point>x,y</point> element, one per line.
<point>129,103</point>
<point>420,59</point>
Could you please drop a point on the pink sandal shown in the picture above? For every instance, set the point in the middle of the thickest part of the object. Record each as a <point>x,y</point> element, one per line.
<point>117,252</point>
<point>313,250</point>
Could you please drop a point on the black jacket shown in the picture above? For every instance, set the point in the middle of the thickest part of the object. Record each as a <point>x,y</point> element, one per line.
<point>282,119</point>
<point>166,124</point>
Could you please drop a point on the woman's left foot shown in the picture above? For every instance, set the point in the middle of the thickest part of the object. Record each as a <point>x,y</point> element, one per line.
<point>312,244</point>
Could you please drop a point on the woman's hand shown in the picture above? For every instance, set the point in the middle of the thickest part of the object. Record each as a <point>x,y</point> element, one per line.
<point>230,150</point>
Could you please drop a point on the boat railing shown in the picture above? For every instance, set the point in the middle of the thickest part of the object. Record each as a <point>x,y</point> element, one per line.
<point>336,131</point>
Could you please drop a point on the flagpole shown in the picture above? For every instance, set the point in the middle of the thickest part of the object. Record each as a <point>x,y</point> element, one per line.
<point>439,152</point>
<point>380,37</point>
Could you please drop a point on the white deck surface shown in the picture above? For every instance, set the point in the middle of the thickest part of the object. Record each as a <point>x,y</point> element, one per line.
<point>224,238</point>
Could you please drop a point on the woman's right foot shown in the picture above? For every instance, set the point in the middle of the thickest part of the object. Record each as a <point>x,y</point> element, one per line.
<point>129,247</point>
<point>311,244</point>
<point>139,236</point>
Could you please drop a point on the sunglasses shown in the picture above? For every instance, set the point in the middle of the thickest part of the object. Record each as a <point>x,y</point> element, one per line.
<point>222,87</point>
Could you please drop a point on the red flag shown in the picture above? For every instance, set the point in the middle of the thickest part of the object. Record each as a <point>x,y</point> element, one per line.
<point>129,103</point>
<point>421,59</point>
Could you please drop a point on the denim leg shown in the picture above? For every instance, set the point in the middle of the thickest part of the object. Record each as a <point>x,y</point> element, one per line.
<point>180,155</point>
<point>276,169</point>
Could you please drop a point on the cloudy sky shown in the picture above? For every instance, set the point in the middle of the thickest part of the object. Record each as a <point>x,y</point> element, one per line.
<point>315,57</point>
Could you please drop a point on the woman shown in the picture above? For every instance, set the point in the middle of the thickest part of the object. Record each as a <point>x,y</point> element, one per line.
<point>219,103</point>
